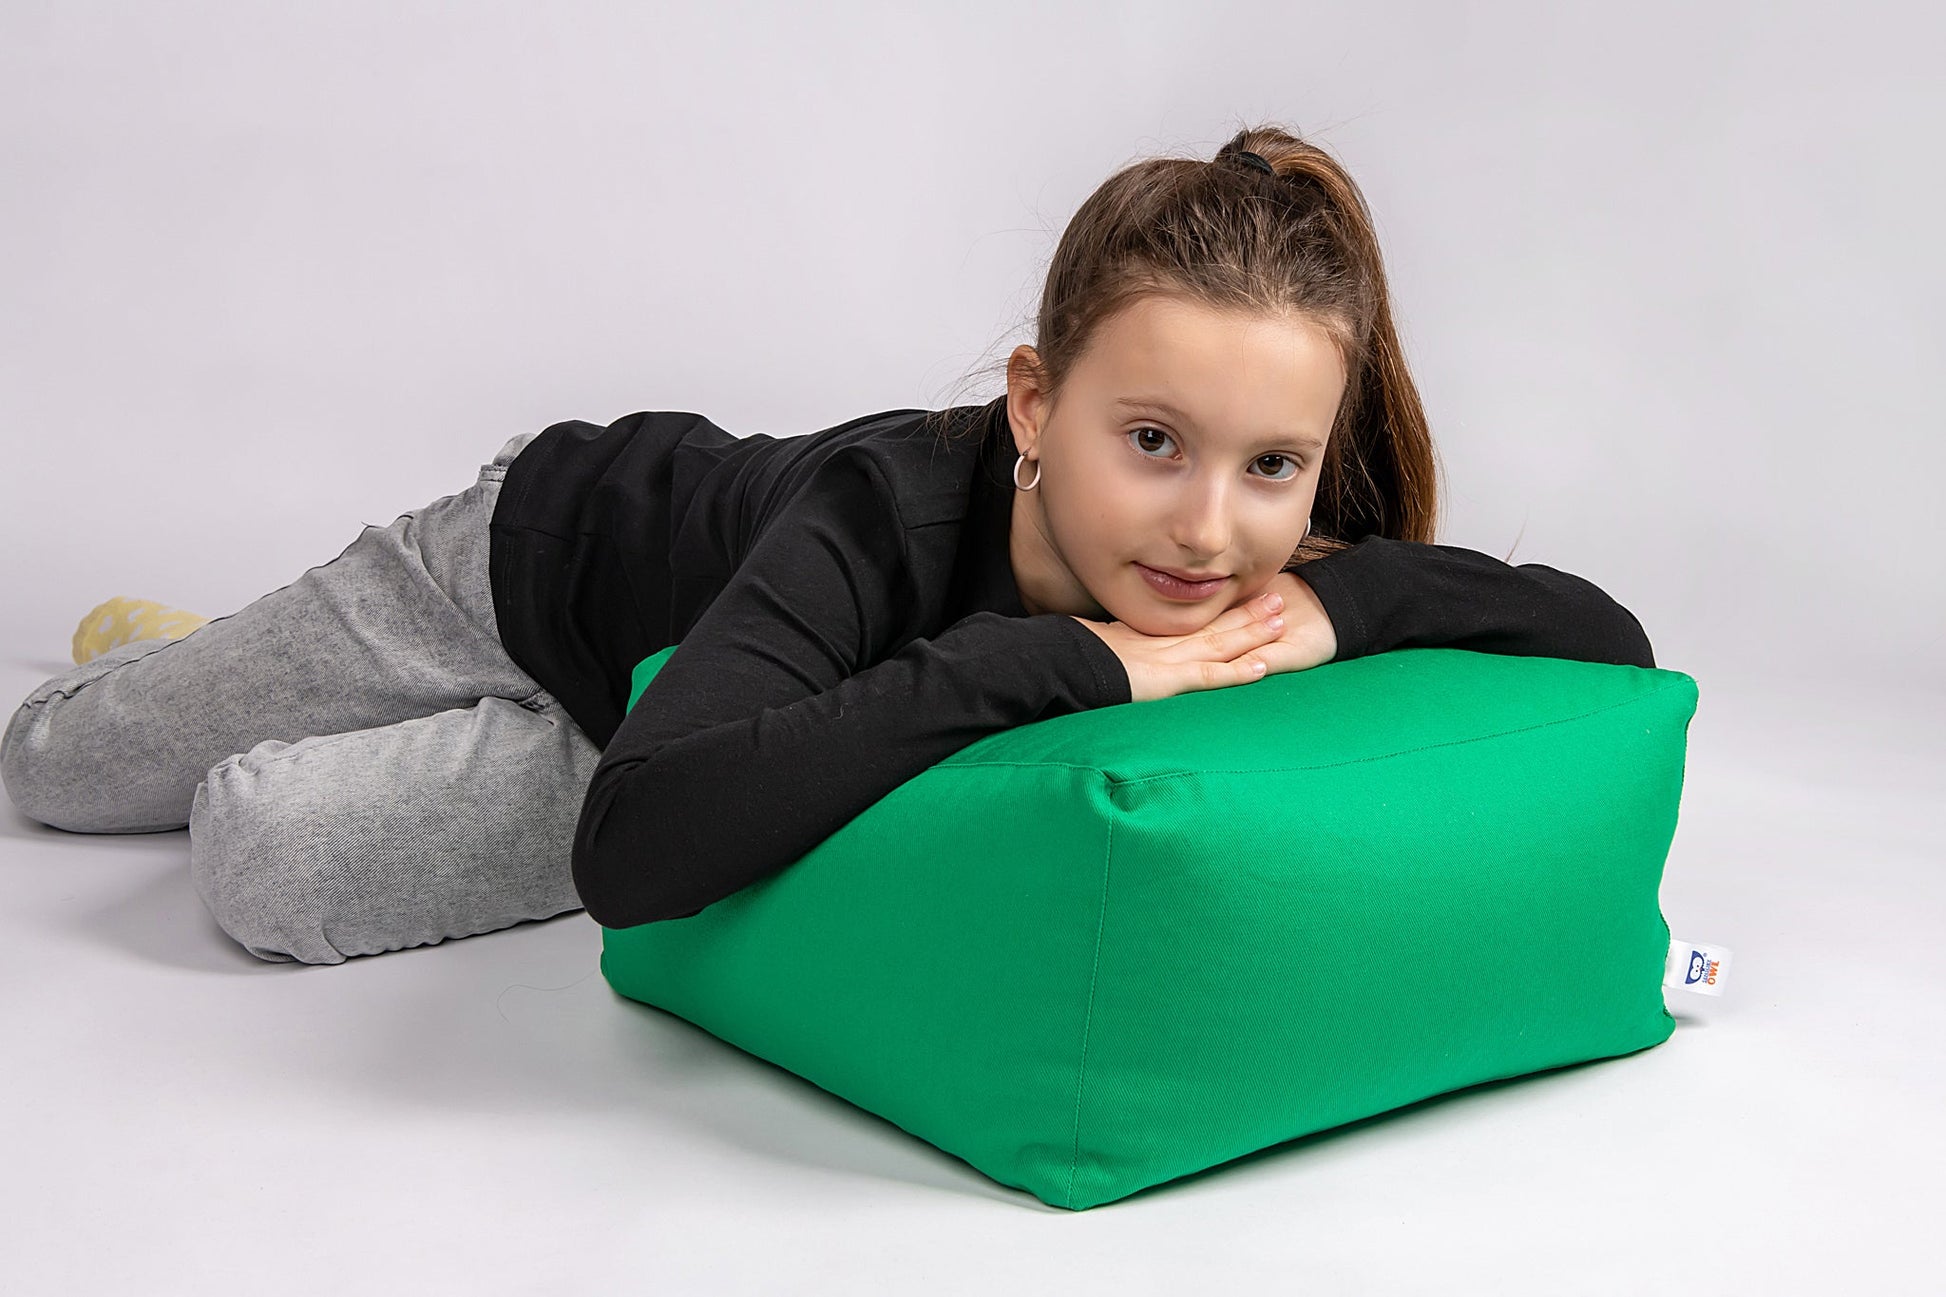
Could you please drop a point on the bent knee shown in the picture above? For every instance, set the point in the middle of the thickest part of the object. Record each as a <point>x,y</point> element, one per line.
<point>79,777</point>
<point>51,783</point>
<point>251,863</point>
<point>298,856</point>
<point>20,770</point>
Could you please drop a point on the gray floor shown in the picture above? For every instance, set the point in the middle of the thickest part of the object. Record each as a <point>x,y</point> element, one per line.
<point>485,1116</point>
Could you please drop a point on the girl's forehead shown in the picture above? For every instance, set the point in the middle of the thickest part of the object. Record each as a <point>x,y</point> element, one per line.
<point>1249,377</point>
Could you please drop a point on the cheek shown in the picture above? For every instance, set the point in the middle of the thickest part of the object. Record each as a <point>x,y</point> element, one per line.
<point>1102,520</point>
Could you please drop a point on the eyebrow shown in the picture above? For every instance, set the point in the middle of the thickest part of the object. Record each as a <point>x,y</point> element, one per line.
<point>1163,407</point>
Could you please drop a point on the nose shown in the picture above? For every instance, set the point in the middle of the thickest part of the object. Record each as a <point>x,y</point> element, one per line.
<point>1201,526</point>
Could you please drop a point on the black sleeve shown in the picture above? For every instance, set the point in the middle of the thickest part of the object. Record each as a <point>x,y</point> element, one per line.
<point>1384,594</point>
<point>774,722</point>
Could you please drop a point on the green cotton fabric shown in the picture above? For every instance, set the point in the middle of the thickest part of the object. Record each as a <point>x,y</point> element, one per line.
<point>1109,949</point>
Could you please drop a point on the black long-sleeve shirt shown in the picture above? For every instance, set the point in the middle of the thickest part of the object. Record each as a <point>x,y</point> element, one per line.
<point>847,618</point>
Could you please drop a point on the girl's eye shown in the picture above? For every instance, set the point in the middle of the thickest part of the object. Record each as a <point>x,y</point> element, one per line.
<point>1281,459</point>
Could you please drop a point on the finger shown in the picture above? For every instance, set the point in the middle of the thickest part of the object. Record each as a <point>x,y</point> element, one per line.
<point>1209,674</point>
<point>1232,657</point>
<point>1297,650</point>
<point>1244,614</point>
<point>1235,642</point>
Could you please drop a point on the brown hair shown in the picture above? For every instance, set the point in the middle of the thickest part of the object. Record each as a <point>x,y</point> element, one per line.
<point>1300,243</point>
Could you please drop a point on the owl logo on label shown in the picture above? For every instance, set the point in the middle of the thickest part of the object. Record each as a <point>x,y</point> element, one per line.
<point>1693,967</point>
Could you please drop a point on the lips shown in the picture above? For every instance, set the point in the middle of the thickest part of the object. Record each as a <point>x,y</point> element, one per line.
<point>1190,577</point>
<point>1172,586</point>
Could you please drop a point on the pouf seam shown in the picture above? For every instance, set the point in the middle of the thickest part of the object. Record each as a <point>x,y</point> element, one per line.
<point>1088,1017</point>
<point>1327,765</point>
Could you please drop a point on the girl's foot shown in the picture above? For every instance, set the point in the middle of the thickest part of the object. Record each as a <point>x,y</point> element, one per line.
<point>122,619</point>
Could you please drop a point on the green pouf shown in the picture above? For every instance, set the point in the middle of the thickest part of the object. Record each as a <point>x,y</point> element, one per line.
<point>1104,950</point>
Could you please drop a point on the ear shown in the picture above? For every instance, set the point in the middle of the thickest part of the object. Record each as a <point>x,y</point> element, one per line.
<point>1026,404</point>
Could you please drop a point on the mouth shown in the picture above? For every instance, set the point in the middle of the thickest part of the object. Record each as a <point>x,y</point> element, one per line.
<point>1174,587</point>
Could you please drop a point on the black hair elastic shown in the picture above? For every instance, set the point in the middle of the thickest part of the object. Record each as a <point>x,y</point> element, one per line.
<point>1255,160</point>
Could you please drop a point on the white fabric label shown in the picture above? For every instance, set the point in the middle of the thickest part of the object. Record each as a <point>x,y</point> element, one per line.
<point>1697,966</point>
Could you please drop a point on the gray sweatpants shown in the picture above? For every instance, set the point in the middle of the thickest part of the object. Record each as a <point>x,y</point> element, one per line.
<point>360,765</point>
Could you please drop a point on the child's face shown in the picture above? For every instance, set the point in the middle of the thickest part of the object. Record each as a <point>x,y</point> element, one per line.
<point>1185,439</point>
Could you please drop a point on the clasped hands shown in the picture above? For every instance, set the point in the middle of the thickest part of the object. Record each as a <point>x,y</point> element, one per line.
<point>1242,643</point>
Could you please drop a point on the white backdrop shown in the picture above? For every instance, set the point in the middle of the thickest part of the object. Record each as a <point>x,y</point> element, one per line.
<point>1669,275</point>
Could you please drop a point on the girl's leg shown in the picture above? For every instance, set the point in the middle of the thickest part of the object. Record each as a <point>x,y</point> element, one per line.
<point>399,625</point>
<point>401,835</point>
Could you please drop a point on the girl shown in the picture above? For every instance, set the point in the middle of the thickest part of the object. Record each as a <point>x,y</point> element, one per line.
<point>1211,466</point>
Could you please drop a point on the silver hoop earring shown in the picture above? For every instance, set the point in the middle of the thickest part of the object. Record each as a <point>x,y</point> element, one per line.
<point>1307,531</point>
<point>1037,474</point>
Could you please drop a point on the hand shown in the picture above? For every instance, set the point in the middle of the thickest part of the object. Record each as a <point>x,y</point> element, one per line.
<point>1309,638</point>
<point>1228,649</point>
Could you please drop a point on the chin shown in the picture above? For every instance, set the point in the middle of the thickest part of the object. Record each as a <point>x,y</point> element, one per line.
<point>1150,613</point>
